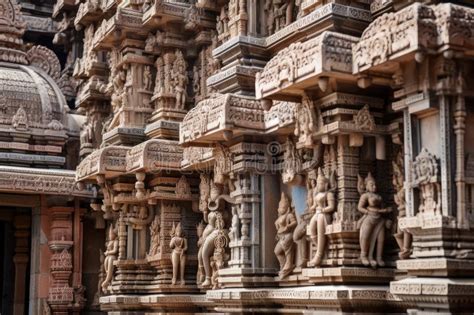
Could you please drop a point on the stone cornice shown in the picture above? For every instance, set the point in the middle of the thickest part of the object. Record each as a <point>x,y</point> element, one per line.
<point>300,64</point>
<point>418,28</point>
<point>227,115</point>
<point>108,161</point>
<point>40,181</point>
<point>154,155</point>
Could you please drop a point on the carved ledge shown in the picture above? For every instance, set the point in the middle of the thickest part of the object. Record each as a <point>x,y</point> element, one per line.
<point>225,116</point>
<point>109,161</point>
<point>40,181</point>
<point>63,5</point>
<point>164,12</point>
<point>436,295</point>
<point>300,65</point>
<point>322,298</point>
<point>417,29</point>
<point>348,275</point>
<point>126,23</point>
<point>165,302</point>
<point>87,13</point>
<point>347,19</point>
<point>154,155</point>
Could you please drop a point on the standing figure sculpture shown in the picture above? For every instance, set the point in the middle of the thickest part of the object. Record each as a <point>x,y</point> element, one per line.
<point>372,224</point>
<point>324,204</point>
<point>154,237</point>
<point>179,246</point>
<point>200,271</point>
<point>285,247</point>
<point>111,253</point>
<point>207,248</point>
<point>180,79</point>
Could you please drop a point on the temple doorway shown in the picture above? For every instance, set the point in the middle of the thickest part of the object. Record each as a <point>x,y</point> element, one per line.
<point>15,231</point>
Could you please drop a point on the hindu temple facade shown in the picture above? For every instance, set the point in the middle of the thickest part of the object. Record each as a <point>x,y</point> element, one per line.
<point>236,156</point>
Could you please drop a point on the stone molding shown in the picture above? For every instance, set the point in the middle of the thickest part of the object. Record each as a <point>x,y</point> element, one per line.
<point>328,54</point>
<point>418,28</point>
<point>40,181</point>
<point>228,115</point>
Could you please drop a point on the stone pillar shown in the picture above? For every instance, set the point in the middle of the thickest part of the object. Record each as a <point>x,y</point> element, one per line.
<point>61,293</point>
<point>20,260</point>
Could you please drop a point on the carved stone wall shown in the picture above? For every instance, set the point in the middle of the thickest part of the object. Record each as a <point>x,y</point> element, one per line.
<point>266,156</point>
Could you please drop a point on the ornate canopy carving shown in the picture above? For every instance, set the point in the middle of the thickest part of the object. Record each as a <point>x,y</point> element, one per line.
<point>417,28</point>
<point>297,66</point>
<point>154,155</point>
<point>226,115</point>
<point>109,161</point>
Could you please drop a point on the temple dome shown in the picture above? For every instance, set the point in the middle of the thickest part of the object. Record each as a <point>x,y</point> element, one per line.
<point>30,98</point>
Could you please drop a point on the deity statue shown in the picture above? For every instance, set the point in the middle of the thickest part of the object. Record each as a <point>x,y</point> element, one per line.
<point>179,246</point>
<point>372,224</point>
<point>285,225</point>
<point>154,237</point>
<point>111,253</point>
<point>180,79</point>
<point>324,204</point>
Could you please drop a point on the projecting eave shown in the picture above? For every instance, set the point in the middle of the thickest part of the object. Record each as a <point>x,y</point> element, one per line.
<point>412,33</point>
<point>41,181</point>
<point>153,156</point>
<point>304,64</point>
<point>226,116</point>
<point>109,162</point>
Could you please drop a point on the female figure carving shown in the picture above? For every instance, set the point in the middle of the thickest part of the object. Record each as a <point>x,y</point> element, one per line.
<point>285,225</point>
<point>110,254</point>
<point>179,245</point>
<point>207,249</point>
<point>372,223</point>
<point>324,204</point>
<point>154,237</point>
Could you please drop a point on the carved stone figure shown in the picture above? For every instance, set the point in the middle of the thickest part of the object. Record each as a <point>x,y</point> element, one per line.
<point>324,204</point>
<point>200,271</point>
<point>306,122</point>
<point>111,255</point>
<point>426,178</point>
<point>211,234</point>
<point>279,14</point>
<point>160,76</point>
<point>180,79</point>
<point>235,226</point>
<point>147,79</point>
<point>179,246</point>
<point>403,238</point>
<point>372,224</point>
<point>285,225</point>
<point>154,237</point>
<point>291,162</point>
